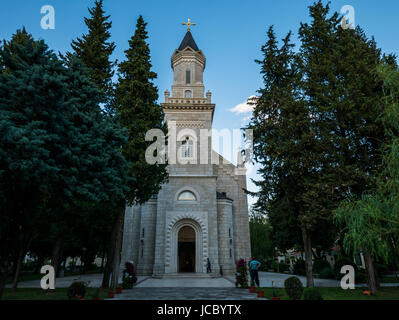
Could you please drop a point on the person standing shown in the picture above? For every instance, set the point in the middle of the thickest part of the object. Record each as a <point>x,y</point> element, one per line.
<point>254,266</point>
<point>208,266</point>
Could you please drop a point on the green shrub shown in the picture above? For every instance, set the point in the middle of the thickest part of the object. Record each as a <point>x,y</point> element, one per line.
<point>319,265</point>
<point>294,288</point>
<point>77,288</point>
<point>312,294</point>
<point>327,273</point>
<point>299,267</point>
<point>283,266</point>
<point>274,266</point>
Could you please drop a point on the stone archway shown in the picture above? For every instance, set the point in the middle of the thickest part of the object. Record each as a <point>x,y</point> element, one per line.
<point>195,236</point>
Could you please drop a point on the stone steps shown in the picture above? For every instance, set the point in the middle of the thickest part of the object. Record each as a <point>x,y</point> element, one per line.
<point>185,275</point>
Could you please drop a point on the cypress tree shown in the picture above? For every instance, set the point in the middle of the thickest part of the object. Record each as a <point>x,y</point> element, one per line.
<point>136,106</point>
<point>95,50</point>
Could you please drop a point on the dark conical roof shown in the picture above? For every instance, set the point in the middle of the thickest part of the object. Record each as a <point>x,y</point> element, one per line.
<point>188,41</point>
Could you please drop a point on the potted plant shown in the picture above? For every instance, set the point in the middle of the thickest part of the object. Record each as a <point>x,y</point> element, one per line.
<point>119,289</point>
<point>111,294</point>
<point>241,274</point>
<point>77,290</point>
<point>129,275</point>
<point>261,294</point>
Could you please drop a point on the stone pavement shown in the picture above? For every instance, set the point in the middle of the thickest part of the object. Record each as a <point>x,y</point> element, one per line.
<point>188,281</point>
<point>185,293</point>
<point>185,281</point>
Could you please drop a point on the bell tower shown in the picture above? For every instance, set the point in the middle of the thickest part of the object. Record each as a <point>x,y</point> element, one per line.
<point>189,108</point>
<point>188,64</point>
<point>188,90</point>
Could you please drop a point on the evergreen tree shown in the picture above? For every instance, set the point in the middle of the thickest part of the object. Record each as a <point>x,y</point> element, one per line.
<point>136,106</point>
<point>283,141</point>
<point>316,128</point>
<point>95,50</point>
<point>342,94</point>
<point>55,145</point>
<point>371,221</point>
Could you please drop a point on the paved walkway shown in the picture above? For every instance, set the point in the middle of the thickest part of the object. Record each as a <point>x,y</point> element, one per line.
<point>185,282</point>
<point>266,278</point>
<point>93,280</point>
<point>185,293</point>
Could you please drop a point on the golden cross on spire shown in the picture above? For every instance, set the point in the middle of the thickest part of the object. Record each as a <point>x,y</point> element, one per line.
<point>188,24</point>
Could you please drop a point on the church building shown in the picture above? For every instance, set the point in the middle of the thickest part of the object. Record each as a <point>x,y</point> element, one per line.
<point>202,212</point>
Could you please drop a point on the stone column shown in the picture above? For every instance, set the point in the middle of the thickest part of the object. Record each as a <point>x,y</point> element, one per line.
<point>225,235</point>
<point>147,238</point>
<point>131,233</point>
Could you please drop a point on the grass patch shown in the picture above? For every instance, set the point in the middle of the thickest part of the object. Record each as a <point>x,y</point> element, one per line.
<point>39,294</point>
<point>386,293</point>
<point>38,276</point>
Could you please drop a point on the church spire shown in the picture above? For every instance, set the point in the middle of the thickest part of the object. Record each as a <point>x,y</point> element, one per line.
<point>188,41</point>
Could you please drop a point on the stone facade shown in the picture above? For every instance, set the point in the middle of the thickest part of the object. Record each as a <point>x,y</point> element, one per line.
<point>204,192</point>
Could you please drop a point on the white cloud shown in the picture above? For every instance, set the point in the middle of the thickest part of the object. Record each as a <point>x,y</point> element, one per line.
<point>243,107</point>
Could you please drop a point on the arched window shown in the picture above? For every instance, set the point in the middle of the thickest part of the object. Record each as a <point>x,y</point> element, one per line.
<point>188,76</point>
<point>187,147</point>
<point>187,196</point>
<point>187,94</point>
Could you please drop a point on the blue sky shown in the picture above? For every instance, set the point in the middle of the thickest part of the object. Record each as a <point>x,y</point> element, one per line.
<point>230,33</point>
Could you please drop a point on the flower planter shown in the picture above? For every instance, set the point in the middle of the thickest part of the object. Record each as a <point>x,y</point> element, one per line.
<point>252,289</point>
<point>275,298</point>
<point>261,294</point>
<point>119,290</point>
<point>111,294</point>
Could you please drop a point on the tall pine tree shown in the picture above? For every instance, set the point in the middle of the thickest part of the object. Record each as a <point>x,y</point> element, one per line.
<point>95,50</point>
<point>136,105</point>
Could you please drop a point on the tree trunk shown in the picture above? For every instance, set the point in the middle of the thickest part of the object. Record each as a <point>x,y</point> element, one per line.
<point>111,251</point>
<point>21,256</point>
<point>4,264</point>
<point>372,279</point>
<point>56,255</point>
<point>108,264</point>
<point>116,261</point>
<point>102,260</point>
<point>308,257</point>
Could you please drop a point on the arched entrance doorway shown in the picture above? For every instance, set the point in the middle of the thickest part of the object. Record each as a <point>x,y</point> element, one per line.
<point>186,249</point>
